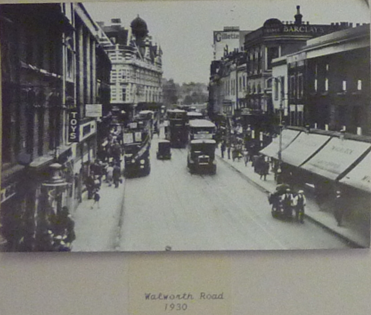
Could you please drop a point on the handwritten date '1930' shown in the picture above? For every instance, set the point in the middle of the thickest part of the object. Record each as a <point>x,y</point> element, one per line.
<point>176,307</point>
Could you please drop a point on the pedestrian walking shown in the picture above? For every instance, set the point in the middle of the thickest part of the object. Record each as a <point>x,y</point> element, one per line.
<point>116,152</point>
<point>278,175</point>
<point>222,149</point>
<point>156,129</point>
<point>299,202</point>
<point>234,153</point>
<point>90,183</point>
<point>246,157</point>
<point>264,169</point>
<point>96,199</point>
<point>229,151</point>
<point>110,174</point>
<point>339,208</point>
<point>116,175</point>
<point>287,202</point>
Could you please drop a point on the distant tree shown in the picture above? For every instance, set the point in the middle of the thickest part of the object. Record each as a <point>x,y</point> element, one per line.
<point>170,91</point>
<point>188,100</point>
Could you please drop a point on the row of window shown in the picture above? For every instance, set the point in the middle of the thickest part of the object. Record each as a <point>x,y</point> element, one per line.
<point>129,75</point>
<point>230,85</point>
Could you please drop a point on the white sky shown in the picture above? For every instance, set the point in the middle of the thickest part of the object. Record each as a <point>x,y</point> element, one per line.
<point>184,29</point>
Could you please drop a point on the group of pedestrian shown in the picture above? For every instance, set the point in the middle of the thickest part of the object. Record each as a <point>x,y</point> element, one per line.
<point>58,232</point>
<point>283,198</point>
<point>259,162</point>
<point>261,166</point>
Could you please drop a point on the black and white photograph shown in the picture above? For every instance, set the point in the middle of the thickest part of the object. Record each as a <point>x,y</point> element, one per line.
<point>160,126</point>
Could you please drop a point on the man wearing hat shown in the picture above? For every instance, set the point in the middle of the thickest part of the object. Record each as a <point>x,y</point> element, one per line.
<point>287,201</point>
<point>339,208</point>
<point>299,205</point>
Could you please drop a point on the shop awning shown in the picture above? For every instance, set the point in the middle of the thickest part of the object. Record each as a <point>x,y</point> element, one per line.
<point>303,147</point>
<point>287,137</point>
<point>336,157</point>
<point>360,176</point>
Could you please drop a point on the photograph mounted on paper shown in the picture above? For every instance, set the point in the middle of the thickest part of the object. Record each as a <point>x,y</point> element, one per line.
<point>165,126</point>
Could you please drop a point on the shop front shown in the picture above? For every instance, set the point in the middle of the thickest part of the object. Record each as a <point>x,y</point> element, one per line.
<point>85,152</point>
<point>330,164</point>
<point>303,148</point>
<point>10,211</point>
<point>280,143</point>
<point>357,185</point>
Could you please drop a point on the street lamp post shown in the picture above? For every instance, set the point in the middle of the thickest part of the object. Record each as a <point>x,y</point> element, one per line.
<point>280,82</point>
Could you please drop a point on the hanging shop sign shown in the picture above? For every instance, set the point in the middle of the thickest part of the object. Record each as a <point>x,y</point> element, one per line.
<point>87,129</point>
<point>93,110</point>
<point>73,126</point>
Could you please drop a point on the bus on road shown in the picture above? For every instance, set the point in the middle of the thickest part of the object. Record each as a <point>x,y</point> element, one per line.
<point>176,130</point>
<point>201,129</point>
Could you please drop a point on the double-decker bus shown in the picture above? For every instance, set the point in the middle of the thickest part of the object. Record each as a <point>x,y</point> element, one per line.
<point>194,115</point>
<point>137,143</point>
<point>176,130</point>
<point>147,117</point>
<point>201,129</point>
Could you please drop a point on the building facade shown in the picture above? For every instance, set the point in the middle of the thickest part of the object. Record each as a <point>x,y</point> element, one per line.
<point>227,84</point>
<point>241,81</point>
<point>48,76</point>
<point>136,76</point>
<point>329,82</point>
<point>274,40</point>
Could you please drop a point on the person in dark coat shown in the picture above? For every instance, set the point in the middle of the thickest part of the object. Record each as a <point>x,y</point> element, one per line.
<point>299,206</point>
<point>222,149</point>
<point>96,198</point>
<point>116,152</point>
<point>339,208</point>
<point>287,201</point>
<point>63,228</point>
<point>90,184</point>
<point>264,169</point>
<point>116,175</point>
<point>45,241</point>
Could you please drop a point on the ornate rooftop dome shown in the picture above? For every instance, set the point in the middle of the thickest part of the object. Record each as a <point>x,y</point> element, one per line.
<point>139,27</point>
<point>271,23</point>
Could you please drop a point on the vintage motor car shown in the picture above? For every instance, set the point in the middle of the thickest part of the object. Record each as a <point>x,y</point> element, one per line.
<point>201,156</point>
<point>164,150</point>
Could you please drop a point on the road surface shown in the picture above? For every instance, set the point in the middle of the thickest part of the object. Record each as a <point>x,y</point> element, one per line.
<point>172,209</point>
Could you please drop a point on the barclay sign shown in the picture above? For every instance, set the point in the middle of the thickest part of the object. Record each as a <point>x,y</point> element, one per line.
<point>296,29</point>
<point>303,29</point>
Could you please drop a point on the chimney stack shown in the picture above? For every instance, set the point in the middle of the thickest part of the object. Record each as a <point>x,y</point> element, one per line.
<point>298,16</point>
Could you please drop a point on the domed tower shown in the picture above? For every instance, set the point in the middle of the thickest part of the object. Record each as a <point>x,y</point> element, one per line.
<point>139,28</point>
<point>273,23</point>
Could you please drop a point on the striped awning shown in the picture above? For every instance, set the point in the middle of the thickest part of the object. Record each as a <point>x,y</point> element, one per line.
<point>336,157</point>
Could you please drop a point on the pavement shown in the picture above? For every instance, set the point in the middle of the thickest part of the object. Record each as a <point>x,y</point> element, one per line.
<point>354,235</point>
<point>98,229</point>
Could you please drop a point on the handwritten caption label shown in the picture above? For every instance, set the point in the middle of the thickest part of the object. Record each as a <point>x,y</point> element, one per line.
<point>180,285</point>
<point>180,302</point>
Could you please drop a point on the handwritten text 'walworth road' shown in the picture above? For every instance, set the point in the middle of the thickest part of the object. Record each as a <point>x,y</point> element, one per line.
<point>184,296</point>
